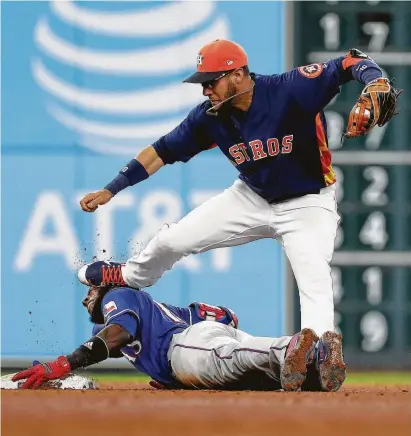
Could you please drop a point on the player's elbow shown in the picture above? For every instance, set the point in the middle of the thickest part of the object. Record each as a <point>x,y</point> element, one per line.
<point>115,337</point>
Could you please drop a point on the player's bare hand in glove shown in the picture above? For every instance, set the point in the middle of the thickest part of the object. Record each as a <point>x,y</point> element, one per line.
<point>376,105</point>
<point>90,202</point>
<point>42,372</point>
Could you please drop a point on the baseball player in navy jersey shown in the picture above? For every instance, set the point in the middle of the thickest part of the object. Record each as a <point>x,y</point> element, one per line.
<point>195,347</point>
<point>272,129</point>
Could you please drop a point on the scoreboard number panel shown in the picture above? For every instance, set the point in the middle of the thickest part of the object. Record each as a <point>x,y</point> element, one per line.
<point>371,267</point>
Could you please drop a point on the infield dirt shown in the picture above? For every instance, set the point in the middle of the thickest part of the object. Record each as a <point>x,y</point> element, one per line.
<point>136,409</point>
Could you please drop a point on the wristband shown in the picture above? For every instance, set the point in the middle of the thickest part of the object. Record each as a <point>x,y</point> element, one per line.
<point>129,175</point>
<point>370,74</point>
<point>93,351</point>
<point>365,71</point>
<point>117,184</point>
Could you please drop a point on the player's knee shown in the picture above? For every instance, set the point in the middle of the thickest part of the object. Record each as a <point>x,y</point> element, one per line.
<point>170,240</point>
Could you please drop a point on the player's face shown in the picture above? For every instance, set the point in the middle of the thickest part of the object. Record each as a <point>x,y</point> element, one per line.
<point>92,302</point>
<point>90,299</point>
<point>219,89</point>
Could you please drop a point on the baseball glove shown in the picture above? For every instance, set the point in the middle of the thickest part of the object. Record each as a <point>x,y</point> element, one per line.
<point>376,105</point>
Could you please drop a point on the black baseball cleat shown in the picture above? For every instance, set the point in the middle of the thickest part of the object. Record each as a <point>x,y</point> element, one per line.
<point>329,361</point>
<point>299,354</point>
<point>101,273</point>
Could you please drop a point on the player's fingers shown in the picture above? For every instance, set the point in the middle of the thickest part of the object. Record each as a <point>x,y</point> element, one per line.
<point>89,209</point>
<point>37,383</point>
<point>28,384</point>
<point>22,374</point>
<point>93,205</point>
<point>86,207</point>
<point>102,198</point>
<point>84,202</point>
<point>90,196</point>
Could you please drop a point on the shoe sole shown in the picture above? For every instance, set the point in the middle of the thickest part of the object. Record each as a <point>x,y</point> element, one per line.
<point>332,372</point>
<point>294,370</point>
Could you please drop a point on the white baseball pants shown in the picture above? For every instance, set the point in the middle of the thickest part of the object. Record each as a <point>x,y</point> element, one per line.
<point>305,227</point>
<point>213,355</point>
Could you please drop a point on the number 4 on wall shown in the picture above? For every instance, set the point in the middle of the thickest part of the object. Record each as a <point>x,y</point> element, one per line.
<point>374,231</point>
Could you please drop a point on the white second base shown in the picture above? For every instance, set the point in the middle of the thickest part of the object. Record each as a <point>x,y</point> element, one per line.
<point>72,381</point>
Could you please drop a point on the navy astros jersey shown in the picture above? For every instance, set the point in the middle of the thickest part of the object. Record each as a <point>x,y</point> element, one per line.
<point>151,326</point>
<point>279,146</point>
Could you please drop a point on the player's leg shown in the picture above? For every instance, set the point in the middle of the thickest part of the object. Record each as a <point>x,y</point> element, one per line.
<point>234,217</point>
<point>213,355</point>
<point>307,229</point>
<point>285,359</point>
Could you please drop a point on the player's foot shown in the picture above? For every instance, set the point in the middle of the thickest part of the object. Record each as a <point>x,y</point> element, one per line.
<point>299,354</point>
<point>101,273</point>
<point>330,361</point>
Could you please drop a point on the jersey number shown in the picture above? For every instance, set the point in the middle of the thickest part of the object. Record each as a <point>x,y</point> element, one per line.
<point>131,351</point>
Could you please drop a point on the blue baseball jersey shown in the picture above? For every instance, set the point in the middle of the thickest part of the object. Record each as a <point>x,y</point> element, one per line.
<point>279,146</point>
<point>151,326</point>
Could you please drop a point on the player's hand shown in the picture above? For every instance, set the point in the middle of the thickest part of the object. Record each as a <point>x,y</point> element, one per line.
<point>90,202</point>
<point>42,372</point>
<point>376,105</point>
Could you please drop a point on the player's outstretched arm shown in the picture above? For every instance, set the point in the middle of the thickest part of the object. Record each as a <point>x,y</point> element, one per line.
<point>95,350</point>
<point>146,163</point>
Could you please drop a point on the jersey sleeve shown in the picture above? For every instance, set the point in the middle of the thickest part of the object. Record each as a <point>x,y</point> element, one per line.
<point>185,141</point>
<point>183,313</point>
<point>118,307</point>
<point>313,86</point>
